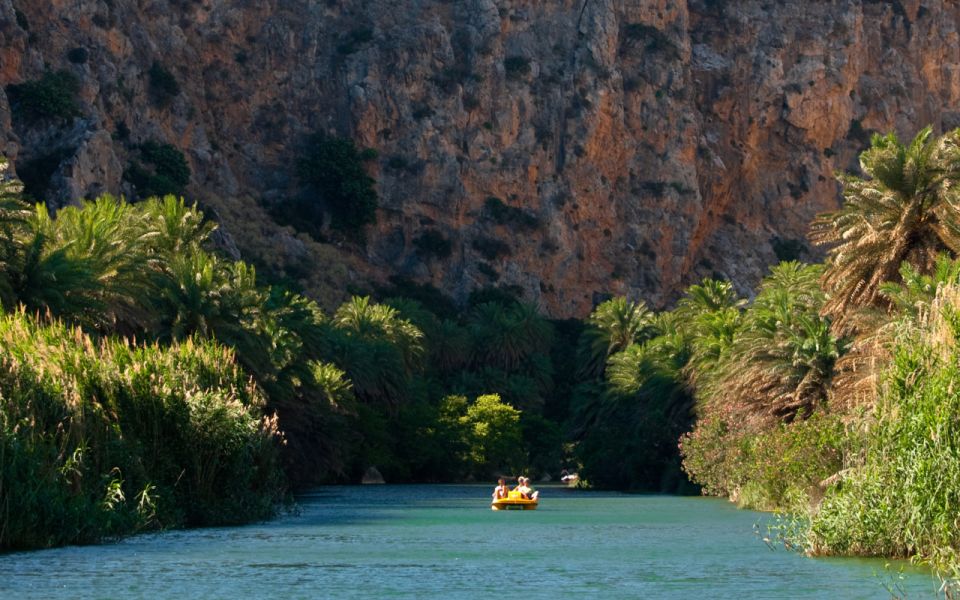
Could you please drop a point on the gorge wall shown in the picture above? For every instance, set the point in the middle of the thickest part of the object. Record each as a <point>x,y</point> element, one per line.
<point>645,143</point>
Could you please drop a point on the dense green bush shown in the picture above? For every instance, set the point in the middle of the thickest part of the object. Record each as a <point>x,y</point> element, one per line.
<point>53,96</point>
<point>900,499</point>
<point>163,85</point>
<point>503,214</point>
<point>100,439</point>
<point>78,55</point>
<point>37,171</point>
<point>163,171</point>
<point>432,243</point>
<point>351,42</point>
<point>333,170</point>
<point>775,469</point>
<point>516,67</point>
<point>491,248</point>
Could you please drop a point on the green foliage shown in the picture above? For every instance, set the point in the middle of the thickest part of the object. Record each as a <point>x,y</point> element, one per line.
<point>355,38</point>
<point>78,55</point>
<point>612,327</point>
<point>780,363</point>
<point>504,214</point>
<point>495,437</point>
<point>491,248</point>
<point>333,170</point>
<point>164,171</point>
<point>631,422</point>
<point>776,469</point>
<point>899,499</point>
<point>103,439</point>
<point>37,172</point>
<point>22,21</point>
<point>432,243</point>
<point>786,249</point>
<point>163,85</point>
<point>516,67</point>
<point>903,212</point>
<point>652,38</point>
<point>53,96</point>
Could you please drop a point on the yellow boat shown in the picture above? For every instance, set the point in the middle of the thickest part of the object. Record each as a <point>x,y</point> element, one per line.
<point>514,501</point>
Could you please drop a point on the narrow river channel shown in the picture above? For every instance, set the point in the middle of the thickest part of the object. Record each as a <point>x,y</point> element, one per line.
<point>443,541</point>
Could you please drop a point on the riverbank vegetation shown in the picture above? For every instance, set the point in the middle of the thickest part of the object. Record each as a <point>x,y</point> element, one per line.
<point>149,382</point>
<point>833,394</point>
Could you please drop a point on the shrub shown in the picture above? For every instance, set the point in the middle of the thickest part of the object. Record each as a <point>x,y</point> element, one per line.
<point>352,41</point>
<point>490,248</point>
<point>494,436</point>
<point>503,214</point>
<point>163,85</point>
<point>21,18</point>
<point>655,40</point>
<point>166,173</point>
<point>787,249</point>
<point>78,56</point>
<point>53,96</point>
<point>432,243</point>
<point>775,469</point>
<point>516,67</point>
<point>900,499</point>
<point>334,172</point>
<point>36,172</point>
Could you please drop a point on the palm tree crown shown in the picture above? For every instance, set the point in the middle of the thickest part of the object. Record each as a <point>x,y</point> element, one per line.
<point>906,210</point>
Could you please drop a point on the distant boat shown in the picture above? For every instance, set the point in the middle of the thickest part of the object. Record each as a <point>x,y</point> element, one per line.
<point>570,479</point>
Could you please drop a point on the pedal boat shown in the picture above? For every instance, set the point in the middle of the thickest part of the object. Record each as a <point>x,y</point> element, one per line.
<point>514,501</point>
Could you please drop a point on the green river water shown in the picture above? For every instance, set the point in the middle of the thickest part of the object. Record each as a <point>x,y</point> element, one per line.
<point>443,541</point>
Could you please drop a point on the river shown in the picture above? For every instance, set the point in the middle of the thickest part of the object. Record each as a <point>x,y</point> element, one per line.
<point>431,541</point>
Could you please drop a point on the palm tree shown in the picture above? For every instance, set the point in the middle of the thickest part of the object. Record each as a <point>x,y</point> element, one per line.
<point>175,228</point>
<point>612,327</point>
<point>711,314</point>
<point>361,318</point>
<point>508,337</point>
<point>782,359</point>
<point>911,299</point>
<point>906,210</point>
<point>112,238</point>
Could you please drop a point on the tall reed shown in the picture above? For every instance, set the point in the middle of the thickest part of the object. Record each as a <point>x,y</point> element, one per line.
<point>99,439</point>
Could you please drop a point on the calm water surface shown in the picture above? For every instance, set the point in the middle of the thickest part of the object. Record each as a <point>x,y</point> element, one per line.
<point>429,541</point>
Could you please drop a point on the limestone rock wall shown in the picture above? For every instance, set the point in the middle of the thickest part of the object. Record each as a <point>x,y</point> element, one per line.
<point>649,143</point>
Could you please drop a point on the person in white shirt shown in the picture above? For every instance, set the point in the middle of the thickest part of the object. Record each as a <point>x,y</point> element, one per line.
<point>501,490</point>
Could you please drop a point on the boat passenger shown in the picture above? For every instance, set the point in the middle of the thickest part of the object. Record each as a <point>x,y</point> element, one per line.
<point>500,491</point>
<point>523,486</point>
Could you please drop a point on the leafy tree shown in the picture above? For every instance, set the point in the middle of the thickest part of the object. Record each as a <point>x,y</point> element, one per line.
<point>164,171</point>
<point>495,434</point>
<point>333,170</point>
<point>904,211</point>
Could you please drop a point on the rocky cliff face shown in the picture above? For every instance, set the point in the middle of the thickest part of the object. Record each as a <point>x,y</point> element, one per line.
<point>633,146</point>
